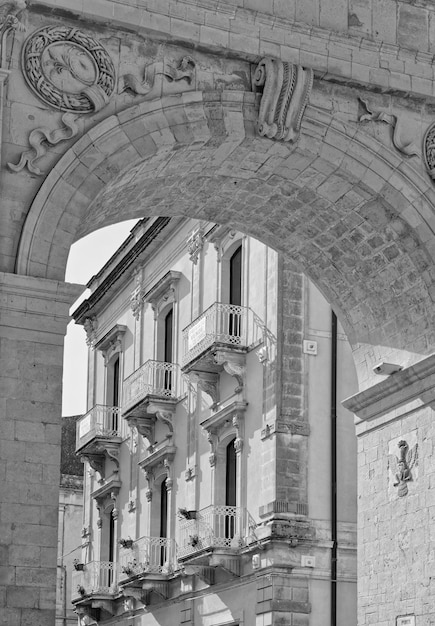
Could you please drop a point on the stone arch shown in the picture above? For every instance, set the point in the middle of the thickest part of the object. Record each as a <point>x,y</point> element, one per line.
<point>351,214</point>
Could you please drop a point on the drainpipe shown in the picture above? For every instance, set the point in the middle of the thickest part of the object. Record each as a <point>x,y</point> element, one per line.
<point>333,468</point>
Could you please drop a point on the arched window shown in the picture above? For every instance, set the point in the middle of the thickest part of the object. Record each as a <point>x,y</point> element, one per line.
<point>235,292</point>
<point>230,486</point>
<point>168,346</point>
<point>236,277</point>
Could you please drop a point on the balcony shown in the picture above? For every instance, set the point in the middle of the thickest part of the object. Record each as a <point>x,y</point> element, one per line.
<point>93,588</point>
<point>145,567</point>
<point>149,393</point>
<point>148,556</point>
<point>214,538</point>
<point>99,433</point>
<point>219,339</point>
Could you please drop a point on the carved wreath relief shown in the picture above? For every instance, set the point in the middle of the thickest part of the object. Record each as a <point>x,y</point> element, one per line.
<point>68,70</point>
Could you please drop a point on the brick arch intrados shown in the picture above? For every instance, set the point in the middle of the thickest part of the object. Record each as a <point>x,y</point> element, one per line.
<point>343,208</point>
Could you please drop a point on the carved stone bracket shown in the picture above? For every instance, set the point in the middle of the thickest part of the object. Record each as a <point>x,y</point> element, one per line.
<point>409,148</point>
<point>136,297</point>
<point>166,417</point>
<point>96,461</point>
<point>234,364</point>
<point>90,326</point>
<point>209,383</point>
<point>195,244</point>
<point>144,426</point>
<point>286,92</point>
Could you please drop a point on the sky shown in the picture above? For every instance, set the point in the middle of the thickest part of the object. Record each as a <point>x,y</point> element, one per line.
<point>86,258</point>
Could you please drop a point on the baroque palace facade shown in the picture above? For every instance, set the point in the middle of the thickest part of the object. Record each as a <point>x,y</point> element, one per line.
<point>187,335</point>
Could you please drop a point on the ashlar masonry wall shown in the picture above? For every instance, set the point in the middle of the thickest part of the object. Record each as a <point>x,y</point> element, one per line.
<point>397,497</point>
<point>32,327</point>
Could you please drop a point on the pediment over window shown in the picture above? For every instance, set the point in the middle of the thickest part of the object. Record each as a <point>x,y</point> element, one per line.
<point>163,292</point>
<point>111,343</point>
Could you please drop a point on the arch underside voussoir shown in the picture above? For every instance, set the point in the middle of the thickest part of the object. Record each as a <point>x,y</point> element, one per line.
<point>342,206</point>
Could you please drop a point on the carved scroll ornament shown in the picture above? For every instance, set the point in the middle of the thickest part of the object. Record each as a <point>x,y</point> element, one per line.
<point>161,77</point>
<point>409,148</point>
<point>286,91</point>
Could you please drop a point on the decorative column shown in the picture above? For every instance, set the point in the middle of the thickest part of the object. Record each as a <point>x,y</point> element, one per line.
<point>33,321</point>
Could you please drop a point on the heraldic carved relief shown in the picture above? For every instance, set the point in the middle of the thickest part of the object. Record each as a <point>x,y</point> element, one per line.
<point>68,70</point>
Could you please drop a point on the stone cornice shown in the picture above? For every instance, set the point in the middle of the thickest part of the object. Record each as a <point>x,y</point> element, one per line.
<point>348,57</point>
<point>120,268</point>
<point>414,385</point>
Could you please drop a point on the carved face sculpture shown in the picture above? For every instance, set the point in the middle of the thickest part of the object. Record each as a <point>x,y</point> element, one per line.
<point>69,67</point>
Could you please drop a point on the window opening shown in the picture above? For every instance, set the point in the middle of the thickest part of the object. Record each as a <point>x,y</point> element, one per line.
<point>235,291</point>
<point>230,487</point>
<point>163,519</point>
<point>168,348</point>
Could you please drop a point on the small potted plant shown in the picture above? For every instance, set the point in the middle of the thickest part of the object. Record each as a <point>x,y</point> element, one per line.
<point>193,540</point>
<point>183,513</point>
<point>126,543</point>
<point>78,566</point>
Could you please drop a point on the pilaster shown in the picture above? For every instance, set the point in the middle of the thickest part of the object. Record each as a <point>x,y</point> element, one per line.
<point>33,320</point>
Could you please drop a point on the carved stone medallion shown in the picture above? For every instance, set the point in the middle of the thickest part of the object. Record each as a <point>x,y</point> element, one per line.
<point>68,70</point>
<point>429,150</point>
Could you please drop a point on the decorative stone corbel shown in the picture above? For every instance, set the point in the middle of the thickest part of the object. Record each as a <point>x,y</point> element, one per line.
<point>195,244</point>
<point>90,325</point>
<point>212,440</point>
<point>286,91</point>
<point>96,461</point>
<point>166,417</point>
<point>234,364</point>
<point>136,297</point>
<point>112,450</point>
<point>209,383</point>
<point>143,425</point>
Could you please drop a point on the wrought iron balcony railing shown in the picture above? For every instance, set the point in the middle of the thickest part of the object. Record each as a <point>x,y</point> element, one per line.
<point>100,421</point>
<point>153,378</point>
<point>148,555</point>
<point>224,324</point>
<point>97,577</point>
<point>216,526</point>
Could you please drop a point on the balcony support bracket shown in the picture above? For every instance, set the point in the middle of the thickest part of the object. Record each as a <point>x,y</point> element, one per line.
<point>234,364</point>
